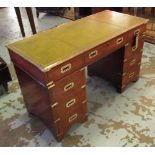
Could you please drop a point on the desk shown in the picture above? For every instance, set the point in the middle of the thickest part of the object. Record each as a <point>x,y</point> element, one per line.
<point>51,65</point>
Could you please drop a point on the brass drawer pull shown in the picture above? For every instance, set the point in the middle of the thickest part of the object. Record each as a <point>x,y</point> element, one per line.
<point>65,68</point>
<point>68,86</point>
<point>131,75</point>
<point>132,62</point>
<point>70,103</point>
<point>119,40</point>
<point>93,54</point>
<point>72,118</point>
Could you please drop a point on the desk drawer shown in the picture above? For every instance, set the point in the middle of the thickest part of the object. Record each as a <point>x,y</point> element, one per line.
<point>65,106</point>
<point>131,75</point>
<point>137,39</point>
<point>65,68</point>
<point>105,49</point>
<point>77,116</point>
<point>70,84</point>
<point>132,61</point>
<point>140,29</point>
<point>129,51</point>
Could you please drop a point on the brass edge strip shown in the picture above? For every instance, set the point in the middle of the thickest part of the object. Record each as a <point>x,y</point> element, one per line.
<point>57,120</point>
<point>84,101</point>
<point>127,44</point>
<point>53,105</point>
<point>124,73</point>
<point>83,86</point>
<point>82,69</point>
<point>125,60</point>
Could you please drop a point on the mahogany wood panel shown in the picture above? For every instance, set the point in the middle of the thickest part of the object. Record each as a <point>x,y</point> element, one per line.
<point>132,61</point>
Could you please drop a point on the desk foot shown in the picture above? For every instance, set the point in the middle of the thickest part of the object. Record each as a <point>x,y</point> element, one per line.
<point>123,86</point>
<point>61,136</point>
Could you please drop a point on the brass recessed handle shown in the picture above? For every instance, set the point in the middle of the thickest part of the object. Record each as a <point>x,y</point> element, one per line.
<point>72,118</point>
<point>119,40</point>
<point>131,74</point>
<point>70,103</point>
<point>132,62</point>
<point>136,39</point>
<point>68,86</point>
<point>93,54</point>
<point>66,68</point>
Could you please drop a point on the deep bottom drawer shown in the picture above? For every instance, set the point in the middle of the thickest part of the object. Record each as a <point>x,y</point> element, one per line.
<point>131,75</point>
<point>77,116</point>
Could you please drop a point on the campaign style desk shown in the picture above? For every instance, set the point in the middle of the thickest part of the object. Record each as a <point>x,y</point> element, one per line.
<point>51,65</point>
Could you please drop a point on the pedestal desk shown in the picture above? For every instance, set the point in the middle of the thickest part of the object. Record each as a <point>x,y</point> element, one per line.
<point>50,65</point>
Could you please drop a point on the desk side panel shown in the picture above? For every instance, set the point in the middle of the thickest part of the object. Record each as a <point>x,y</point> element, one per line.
<point>36,98</point>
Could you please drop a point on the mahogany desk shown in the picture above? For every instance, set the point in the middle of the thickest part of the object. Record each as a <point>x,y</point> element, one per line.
<point>51,64</point>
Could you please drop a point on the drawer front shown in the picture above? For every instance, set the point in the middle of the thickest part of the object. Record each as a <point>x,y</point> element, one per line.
<point>68,105</point>
<point>140,30</point>
<point>131,75</point>
<point>130,50</point>
<point>133,61</point>
<point>105,49</point>
<point>65,68</point>
<point>68,85</point>
<point>77,116</point>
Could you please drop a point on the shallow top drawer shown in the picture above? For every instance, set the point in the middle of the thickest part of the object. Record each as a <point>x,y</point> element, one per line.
<point>106,48</point>
<point>138,30</point>
<point>65,68</point>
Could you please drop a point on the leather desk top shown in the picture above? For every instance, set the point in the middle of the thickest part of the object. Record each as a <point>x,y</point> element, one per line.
<point>54,46</point>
